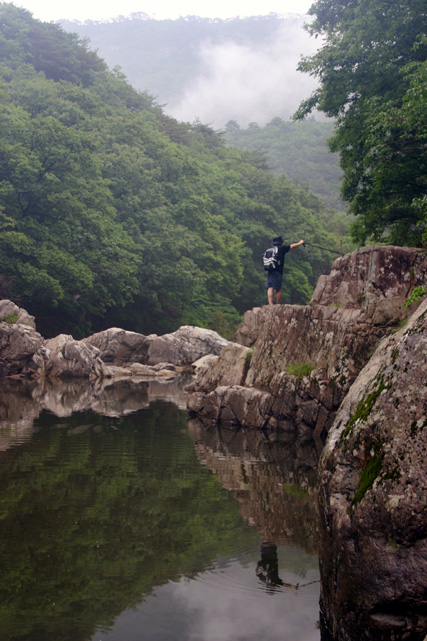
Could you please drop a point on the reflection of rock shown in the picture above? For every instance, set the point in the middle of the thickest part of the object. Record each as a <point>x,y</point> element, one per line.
<point>373,489</point>
<point>333,337</point>
<point>21,402</point>
<point>272,479</point>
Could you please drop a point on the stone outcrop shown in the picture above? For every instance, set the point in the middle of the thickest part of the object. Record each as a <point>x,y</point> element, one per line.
<point>67,358</point>
<point>113,353</point>
<point>22,351</point>
<point>120,347</point>
<point>11,313</point>
<point>184,346</point>
<point>333,338</point>
<point>373,489</point>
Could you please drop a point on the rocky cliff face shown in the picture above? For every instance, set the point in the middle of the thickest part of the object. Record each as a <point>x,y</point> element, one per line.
<point>332,338</point>
<point>373,497</point>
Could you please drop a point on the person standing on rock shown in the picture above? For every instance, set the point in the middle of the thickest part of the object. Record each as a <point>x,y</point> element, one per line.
<point>275,275</point>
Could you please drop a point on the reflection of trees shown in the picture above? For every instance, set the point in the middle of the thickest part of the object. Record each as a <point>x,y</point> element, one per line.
<point>95,512</point>
<point>272,478</point>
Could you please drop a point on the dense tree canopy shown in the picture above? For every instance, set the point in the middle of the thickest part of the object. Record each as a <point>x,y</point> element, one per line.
<point>297,149</point>
<point>372,71</point>
<point>112,213</point>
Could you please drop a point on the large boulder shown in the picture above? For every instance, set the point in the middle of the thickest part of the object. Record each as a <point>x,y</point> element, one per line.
<point>11,313</point>
<point>119,347</point>
<point>22,351</point>
<point>68,358</point>
<point>373,489</point>
<point>185,346</point>
<point>232,367</point>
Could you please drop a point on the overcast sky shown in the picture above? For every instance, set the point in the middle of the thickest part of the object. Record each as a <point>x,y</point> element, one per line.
<point>51,10</point>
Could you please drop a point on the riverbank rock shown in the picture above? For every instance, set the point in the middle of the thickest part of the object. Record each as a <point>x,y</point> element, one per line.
<point>12,314</point>
<point>181,348</point>
<point>113,353</point>
<point>22,351</point>
<point>119,347</point>
<point>67,358</point>
<point>185,346</point>
<point>304,359</point>
<point>373,489</point>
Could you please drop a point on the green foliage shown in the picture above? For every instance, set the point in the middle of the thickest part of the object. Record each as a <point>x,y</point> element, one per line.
<point>365,405</point>
<point>10,318</point>
<point>297,149</point>
<point>369,474</point>
<point>112,213</point>
<point>372,71</point>
<point>299,369</point>
<point>416,294</point>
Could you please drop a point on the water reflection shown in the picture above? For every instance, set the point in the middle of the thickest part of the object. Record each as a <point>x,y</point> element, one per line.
<point>272,478</point>
<point>122,521</point>
<point>22,402</point>
<point>267,569</point>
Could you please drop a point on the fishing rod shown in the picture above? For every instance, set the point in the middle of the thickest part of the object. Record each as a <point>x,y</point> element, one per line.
<point>324,248</point>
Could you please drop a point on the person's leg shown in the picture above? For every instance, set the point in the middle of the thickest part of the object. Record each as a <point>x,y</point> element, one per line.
<point>278,296</point>
<point>270,295</point>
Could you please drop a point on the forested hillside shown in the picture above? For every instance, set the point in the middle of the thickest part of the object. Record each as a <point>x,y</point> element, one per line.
<point>112,213</point>
<point>244,68</point>
<point>297,149</point>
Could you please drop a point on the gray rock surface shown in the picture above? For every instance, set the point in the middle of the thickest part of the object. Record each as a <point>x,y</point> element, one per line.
<point>334,336</point>
<point>22,351</point>
<point>68,358</point>
<point>118,346</point>
<point>185,346</point>
<point>11,313</point>
<point>373,497</point>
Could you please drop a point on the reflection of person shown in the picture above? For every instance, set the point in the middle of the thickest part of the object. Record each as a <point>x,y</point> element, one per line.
<point>274,278</point>
<point>267,569</point>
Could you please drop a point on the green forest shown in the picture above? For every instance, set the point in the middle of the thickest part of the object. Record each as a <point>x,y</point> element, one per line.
<point>114,214</point>
<point>297,149</point>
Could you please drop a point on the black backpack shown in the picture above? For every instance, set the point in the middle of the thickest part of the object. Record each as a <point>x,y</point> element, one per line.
<point>270,259</point>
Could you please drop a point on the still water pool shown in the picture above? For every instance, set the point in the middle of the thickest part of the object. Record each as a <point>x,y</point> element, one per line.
<point>150,526</point>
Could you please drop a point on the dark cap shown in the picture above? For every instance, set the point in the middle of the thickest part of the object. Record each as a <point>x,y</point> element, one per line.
<point>277,240</point>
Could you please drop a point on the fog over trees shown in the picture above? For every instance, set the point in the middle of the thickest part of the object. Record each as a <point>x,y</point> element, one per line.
<point>242,69</point>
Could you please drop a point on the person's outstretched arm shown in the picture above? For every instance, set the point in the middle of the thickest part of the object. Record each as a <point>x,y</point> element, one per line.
<point>301,242</point>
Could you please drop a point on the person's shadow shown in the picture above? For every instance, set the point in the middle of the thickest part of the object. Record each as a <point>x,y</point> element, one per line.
<point>267,569</point>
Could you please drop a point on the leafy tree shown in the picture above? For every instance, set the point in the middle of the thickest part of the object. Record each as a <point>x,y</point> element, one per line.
<point>297,149</point>
<point>371,71</point>
<point>114,214</point>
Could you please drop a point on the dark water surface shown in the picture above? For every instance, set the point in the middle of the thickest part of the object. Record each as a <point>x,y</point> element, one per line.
<point>122,520</point>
